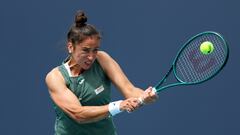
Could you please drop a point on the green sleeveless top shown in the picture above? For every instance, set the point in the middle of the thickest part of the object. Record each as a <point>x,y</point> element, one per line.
<point>92,88</point>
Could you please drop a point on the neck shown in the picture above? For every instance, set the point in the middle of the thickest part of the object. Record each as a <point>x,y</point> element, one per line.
<point>74,67</point>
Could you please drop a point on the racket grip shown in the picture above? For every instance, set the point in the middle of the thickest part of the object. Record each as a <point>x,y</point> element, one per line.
<point>154,90</point>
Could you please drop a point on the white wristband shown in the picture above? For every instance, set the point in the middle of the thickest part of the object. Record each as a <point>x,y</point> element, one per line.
<point>114,107</point>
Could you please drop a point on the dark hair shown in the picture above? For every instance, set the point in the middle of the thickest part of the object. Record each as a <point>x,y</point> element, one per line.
<point>80,30</point>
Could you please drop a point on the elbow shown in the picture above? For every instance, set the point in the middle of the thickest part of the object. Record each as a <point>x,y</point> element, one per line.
<point>82,115</point>
<point>79,117</point>
<point>82,120</point>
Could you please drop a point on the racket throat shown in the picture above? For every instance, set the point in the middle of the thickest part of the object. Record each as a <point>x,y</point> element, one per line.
<point>166,83</point>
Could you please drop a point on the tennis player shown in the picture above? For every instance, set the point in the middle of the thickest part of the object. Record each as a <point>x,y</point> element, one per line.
<point>80,87</point>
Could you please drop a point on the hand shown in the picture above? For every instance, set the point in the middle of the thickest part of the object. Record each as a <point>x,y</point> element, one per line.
<point>129,104</point>
<point>149,96</point>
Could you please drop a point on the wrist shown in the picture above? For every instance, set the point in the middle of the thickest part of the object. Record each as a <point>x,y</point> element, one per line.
<point>114,108</point>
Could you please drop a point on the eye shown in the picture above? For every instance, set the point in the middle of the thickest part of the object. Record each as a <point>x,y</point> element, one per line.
<point>86,50</point>
<point>90,50</point>
<point>96,50</point>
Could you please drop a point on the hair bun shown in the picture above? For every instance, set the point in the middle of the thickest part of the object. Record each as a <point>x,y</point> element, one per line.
<point>80,19</point>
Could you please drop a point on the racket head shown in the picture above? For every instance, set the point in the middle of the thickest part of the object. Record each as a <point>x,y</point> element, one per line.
<point>191,66</point>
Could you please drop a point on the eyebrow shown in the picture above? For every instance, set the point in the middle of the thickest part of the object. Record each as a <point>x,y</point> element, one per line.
<point>86,47</point>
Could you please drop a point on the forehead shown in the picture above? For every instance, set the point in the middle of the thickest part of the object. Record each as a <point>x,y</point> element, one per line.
<point>90,42</point>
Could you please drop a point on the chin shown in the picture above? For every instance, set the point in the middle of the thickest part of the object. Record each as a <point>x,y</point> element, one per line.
<point>86,67</point>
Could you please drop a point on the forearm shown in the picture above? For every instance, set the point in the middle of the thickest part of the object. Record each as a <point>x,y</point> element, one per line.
<point>88,114</point>
<point>144,96</point>
<point>134,92</point>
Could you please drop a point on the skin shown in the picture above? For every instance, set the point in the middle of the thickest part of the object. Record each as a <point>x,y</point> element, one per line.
<point>82,57</point>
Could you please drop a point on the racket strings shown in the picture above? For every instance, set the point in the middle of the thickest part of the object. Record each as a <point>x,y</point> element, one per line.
<point>193,66</point>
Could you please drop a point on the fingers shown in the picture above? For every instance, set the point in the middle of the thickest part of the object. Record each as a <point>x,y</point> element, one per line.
<point>149,95</point>
<point>132,104</point>
<point>129,105</point>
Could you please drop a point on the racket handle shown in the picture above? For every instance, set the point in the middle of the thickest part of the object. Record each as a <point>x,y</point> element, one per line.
<point>154,90</point>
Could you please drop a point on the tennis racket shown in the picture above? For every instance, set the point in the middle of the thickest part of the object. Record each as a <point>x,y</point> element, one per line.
<point>191,66</point>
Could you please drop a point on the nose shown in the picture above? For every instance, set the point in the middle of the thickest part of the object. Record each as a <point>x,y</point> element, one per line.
<point>91,55</point>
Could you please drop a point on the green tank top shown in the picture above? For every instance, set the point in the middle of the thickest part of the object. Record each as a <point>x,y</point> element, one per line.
<point>92,88</point>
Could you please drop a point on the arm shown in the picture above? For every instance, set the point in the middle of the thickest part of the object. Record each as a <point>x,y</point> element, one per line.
<point>115,73</point>
<point>119,79</point>
<point>69,103</point>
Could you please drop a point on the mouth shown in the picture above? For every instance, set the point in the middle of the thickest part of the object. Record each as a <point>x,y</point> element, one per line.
<point>88,63</point>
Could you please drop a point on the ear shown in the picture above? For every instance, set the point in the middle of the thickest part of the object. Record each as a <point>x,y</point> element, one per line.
<point>70,47</point>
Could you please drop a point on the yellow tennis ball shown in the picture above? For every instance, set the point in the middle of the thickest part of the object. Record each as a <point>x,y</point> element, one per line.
<point>206,47</point>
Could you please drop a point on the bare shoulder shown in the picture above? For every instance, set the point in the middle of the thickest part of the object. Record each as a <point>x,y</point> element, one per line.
<point>53,76</point>
<point>103,55</point>
<point>105,60</point>
<point>52,73</point>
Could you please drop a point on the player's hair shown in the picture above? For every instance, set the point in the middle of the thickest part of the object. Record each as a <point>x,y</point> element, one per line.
<point>80,30</point>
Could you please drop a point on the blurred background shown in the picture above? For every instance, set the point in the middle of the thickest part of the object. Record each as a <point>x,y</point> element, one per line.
<point>143,37</point>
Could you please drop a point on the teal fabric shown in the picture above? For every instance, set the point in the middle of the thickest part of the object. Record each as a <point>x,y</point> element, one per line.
<point>92,88</point>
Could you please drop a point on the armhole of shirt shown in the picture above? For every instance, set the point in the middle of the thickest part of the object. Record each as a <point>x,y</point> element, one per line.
<point>65,74</point>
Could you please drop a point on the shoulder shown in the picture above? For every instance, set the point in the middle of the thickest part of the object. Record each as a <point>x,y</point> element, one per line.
<point>103,55</point>
<point>53,72</point>
<point>105,60</point>
<point>108,64</point>
<point>53,75</point>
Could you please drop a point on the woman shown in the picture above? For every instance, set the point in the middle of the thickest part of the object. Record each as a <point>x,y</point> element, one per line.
<point>80,87</point>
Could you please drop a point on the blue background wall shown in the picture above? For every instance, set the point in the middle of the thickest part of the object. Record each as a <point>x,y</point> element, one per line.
<point>144,37</point>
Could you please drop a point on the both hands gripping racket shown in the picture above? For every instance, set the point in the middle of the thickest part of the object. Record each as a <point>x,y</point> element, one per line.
<point>192,66</point>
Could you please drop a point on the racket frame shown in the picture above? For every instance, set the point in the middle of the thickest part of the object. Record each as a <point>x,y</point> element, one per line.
<point>157,88</point>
